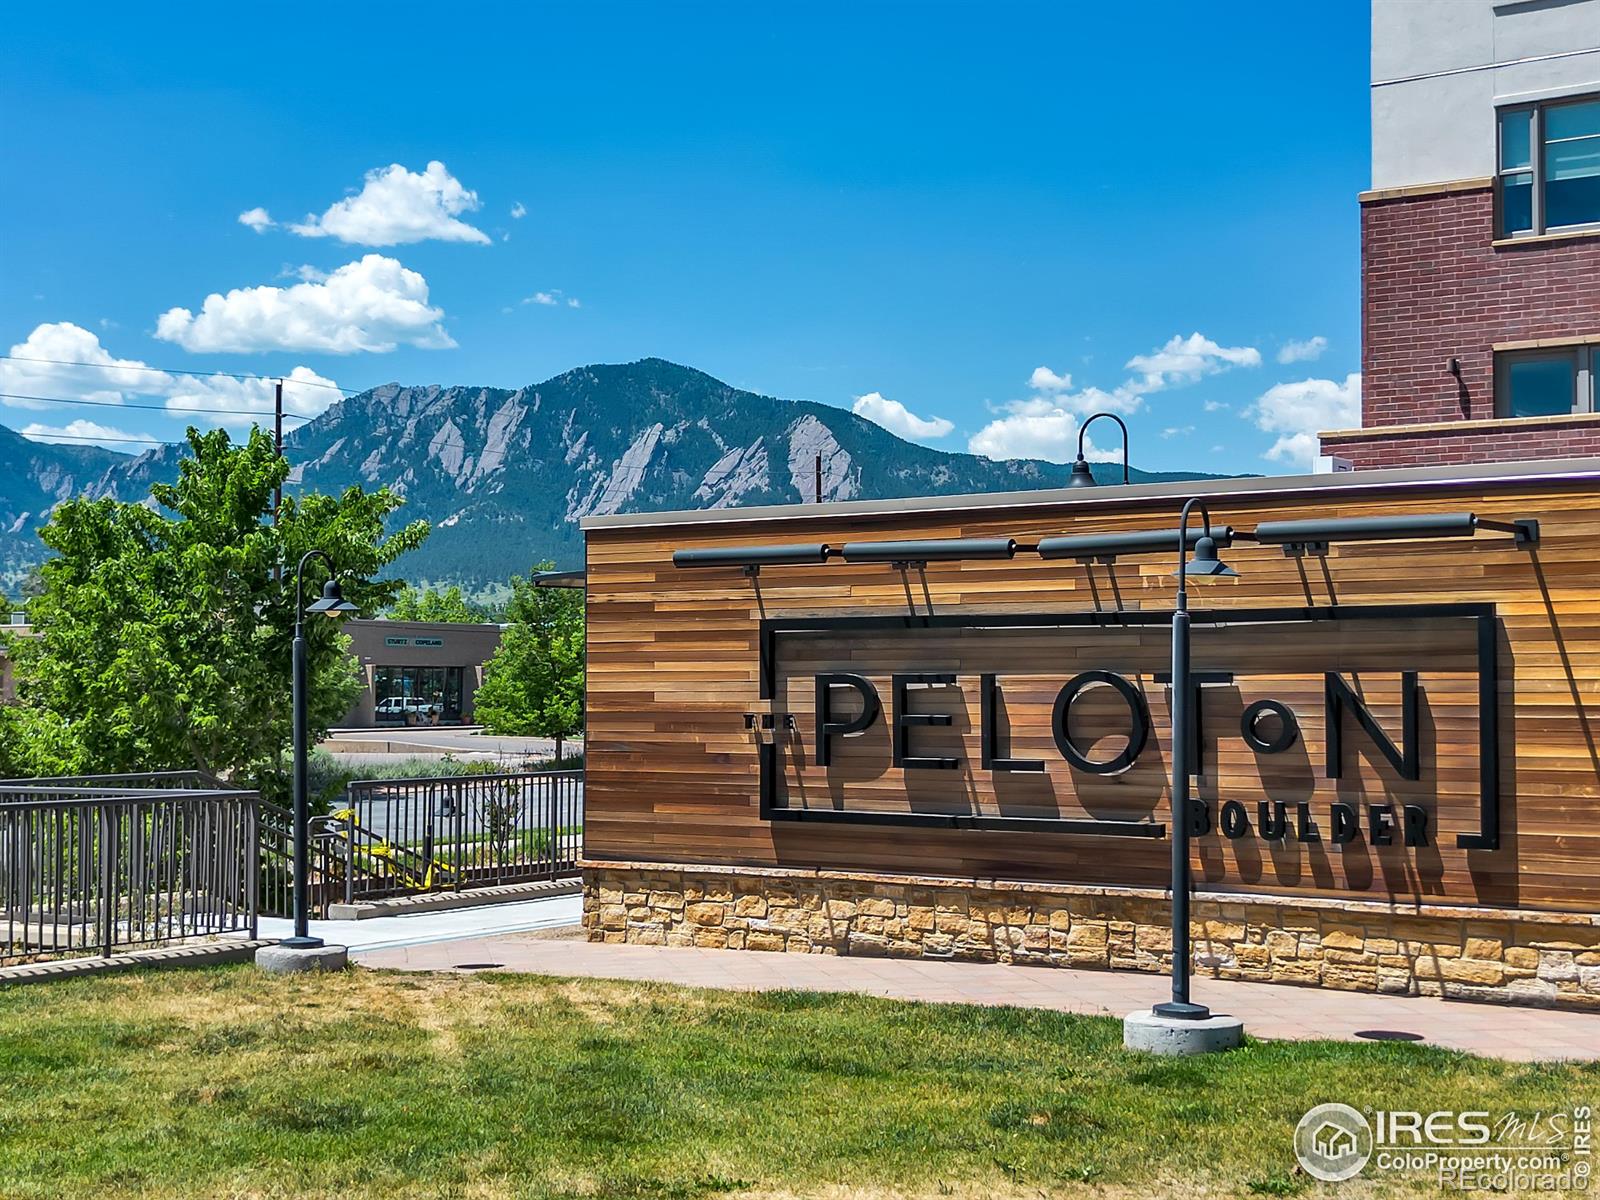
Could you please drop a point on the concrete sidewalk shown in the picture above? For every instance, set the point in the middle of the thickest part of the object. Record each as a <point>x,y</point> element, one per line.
<point>1268,1010</point>
<point>445,739</point>
<point>424,928</point>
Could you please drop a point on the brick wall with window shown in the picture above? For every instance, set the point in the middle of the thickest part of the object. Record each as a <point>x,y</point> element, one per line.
<point>1436,285</point>
<point>1504,277</point>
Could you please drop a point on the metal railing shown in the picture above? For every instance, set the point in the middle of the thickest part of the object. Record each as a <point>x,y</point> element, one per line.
<point>174,780</point>
<point>453,832</point>
<point>92,868</point>
<point>325,881</point>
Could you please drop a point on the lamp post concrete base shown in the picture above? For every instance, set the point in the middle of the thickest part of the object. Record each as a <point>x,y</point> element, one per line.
<point>297,960</point>
<point>1144,1030</point>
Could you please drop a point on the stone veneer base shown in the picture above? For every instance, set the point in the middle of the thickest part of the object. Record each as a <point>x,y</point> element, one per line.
<point>1509,956</point>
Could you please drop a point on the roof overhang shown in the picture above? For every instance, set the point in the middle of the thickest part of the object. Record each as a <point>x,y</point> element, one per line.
<point>1137,495</point>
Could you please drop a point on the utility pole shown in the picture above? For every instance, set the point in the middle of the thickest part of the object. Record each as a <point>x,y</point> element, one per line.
<point>277,445</point>
<point>277,442</point>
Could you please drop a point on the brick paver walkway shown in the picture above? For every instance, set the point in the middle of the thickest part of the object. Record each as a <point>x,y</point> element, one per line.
<point>1268,1010</point>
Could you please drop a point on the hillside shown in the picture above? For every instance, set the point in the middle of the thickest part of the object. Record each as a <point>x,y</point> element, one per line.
<point>34,477</point>
<point>505,476</point>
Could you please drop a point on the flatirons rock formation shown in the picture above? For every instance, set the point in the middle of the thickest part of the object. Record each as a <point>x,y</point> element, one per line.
<point>505,476</point>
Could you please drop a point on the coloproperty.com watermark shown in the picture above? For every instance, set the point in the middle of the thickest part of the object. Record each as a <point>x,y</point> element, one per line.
<point>1472,1151</point>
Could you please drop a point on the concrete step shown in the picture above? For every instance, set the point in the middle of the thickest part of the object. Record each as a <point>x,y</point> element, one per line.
<point>399,906</point>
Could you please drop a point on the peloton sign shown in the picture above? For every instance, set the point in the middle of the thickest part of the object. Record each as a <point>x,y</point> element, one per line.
<point>871,714</point>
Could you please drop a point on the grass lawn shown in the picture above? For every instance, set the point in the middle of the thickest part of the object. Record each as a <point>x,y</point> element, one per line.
<point>227,1083</point>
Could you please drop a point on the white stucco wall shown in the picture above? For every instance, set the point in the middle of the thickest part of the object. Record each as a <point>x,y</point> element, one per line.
<point>1439,68</point>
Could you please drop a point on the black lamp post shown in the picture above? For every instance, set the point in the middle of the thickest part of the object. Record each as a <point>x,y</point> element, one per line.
<point>1081,475</point>
<point>331,604</point>
<point>1206,563</point>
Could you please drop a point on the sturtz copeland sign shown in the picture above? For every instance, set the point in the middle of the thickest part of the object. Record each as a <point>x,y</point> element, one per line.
<point>847,704</point>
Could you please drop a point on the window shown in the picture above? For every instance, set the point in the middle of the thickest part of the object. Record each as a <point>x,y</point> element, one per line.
<point>1549,167</point>
<point>1545,383</point>
<point>417,695</point>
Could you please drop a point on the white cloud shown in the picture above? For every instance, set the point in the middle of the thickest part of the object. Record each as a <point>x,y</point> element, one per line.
<point>553,298</point>
<point>1186,360</point>
<point>109,380</point>
<point>78,432</point>
<point>518,211</point>
<point>1050,435</point>
<point>1296,412</point>
<point>898,419</point>
<point>1045,424</point>
<point>257,219</point>
<point>373,304</point>
<point>396,207</point>
<point>1306,351</point>
<point>1044,379</point>
<point>305,393</point>
<point>1215,405</point>
<point>1036,430</point>
<point>52,347</point>
<point>1173,431</point>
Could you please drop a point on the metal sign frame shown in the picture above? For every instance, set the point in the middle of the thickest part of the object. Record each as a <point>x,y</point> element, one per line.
<point>1484,615</point>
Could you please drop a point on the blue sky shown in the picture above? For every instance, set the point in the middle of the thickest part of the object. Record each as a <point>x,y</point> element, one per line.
<point>986,219</point>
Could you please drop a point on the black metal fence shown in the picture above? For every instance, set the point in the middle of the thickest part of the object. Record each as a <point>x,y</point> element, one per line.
<point>453,832</point>
<point>144,781</point>
<point>325,879</point>
<point>91,866</point>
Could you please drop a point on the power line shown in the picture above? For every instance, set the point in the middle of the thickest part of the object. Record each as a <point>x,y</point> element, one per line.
<point>121,366</point>
<point>228,412</point>
<point>52,436</point>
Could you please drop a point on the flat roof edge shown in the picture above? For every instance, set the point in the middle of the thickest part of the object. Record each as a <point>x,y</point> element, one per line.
<point>1394,478</point>
<point>391,622</point>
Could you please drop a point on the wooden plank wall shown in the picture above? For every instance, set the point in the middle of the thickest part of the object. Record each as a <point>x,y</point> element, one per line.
<point>673,667</point>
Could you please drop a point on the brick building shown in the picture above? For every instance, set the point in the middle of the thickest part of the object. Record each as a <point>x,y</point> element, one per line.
<point>1480,238</point>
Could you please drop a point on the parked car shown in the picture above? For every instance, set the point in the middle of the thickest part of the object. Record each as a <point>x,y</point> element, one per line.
<point>408,708</point>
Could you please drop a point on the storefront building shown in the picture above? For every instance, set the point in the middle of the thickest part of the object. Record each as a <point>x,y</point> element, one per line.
<point>866,749</point>
<point>418,672</point>
<point>15,626</point>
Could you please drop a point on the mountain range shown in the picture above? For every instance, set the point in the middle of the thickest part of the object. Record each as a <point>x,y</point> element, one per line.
<point>504,476</point>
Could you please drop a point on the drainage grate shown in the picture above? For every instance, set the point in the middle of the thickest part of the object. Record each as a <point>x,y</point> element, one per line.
<point>477,966</point>
<point>1388,1035</point>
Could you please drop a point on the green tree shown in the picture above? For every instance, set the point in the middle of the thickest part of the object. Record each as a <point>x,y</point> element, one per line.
<point>533,685</point>
<point>428,604</point>
<point>163,633</point>
<point>34,743</point>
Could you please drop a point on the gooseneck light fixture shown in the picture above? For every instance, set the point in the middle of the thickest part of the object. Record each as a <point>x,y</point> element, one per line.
<point>929,550</point>
<point>752,558</point>
<point>1103,546</point>
<point>558,579</point>
<point>1313,536</point>
<point>1296,537</point>
<point>1206,564</point>
<point>1081,475</point>
<point>330,604</point>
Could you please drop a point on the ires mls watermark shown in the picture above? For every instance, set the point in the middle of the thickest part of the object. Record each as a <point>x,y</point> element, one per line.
<point>1473,1151</point>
